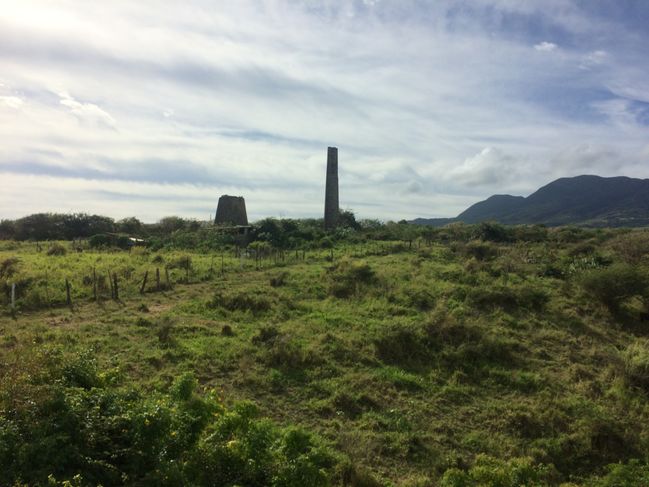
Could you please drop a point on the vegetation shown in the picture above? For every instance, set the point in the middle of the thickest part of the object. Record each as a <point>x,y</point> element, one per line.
<point>382,354</point>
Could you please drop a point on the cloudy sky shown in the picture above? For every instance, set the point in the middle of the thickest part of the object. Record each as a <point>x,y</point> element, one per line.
<point>153,108</point>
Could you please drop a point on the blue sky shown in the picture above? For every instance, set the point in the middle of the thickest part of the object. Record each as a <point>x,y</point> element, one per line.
<point>138,109</point>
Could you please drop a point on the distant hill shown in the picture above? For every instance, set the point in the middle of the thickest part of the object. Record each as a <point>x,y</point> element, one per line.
<point>582,200</point>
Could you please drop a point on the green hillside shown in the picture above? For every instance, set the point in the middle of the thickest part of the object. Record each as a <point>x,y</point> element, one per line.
<point>469,355</point>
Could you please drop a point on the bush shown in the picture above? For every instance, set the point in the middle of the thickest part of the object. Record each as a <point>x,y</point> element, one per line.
<point>494,232</point>
<point>347,277</point>
<point>632,474</point>
<point>285,352</point>
<point>266,334</point>
<point>165,332</point>
<point>524,296</point>
<point>444,331</point>
<point>182,262</point>
<point>279,279</point>
<point>633,247</point>
<point>52,431</point>
<point>57,249</point>
<point>253,301</point>
<point>400,345</point>
<point>495,472</point>
<point>636,364</point>
<point>613,285</point>
<point>9,267</point>
<point>420,298</point>
<point>481,251</point>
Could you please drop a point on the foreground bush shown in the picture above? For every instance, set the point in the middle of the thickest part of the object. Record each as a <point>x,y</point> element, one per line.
<point>636,364</point>
<point>348,277</point>
<point>516,472</point>
<point>60,418</point>
<point>612,285</point>
<point>489,471</point>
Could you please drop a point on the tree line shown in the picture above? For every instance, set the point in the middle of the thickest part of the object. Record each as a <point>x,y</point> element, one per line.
<point>70,226</point>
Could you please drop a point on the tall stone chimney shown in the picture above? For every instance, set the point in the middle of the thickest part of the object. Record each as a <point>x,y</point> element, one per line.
<point>331,190</point>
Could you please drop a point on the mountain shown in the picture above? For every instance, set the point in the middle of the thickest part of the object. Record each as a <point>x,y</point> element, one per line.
<point>581,200</point>
<point>493,208</point>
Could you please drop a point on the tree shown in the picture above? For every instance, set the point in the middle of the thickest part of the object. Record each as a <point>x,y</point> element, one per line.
<point>130,225</point>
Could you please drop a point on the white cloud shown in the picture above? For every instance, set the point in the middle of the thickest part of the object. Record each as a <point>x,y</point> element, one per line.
<point>593,59</point>
<point>88,113</point>
<point>546,46</point>
<point>617,110</point>
<point>491,166</point>
<point>11,101</point>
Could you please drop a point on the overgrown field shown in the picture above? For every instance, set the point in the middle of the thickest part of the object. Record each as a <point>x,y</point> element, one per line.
<point>450,360</point>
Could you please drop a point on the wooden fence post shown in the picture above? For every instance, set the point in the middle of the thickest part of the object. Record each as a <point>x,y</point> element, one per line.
<point>68,298</point>
<point>143,287</point>
<point>167,278</point>
<point>112,289</point>
<point>115,286</point>
<point>47,290</point>
<point>13,298</point>
<point>94,283</point>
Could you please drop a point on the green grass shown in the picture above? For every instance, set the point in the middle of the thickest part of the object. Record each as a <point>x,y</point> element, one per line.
<point>417,366</point>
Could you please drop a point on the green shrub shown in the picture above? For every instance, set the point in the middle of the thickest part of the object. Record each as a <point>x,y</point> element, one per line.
<point>53,432</point>
<point>632,474</point>
<point>444,331</point>
<point>472,356</point>
<point>249,300</point>
<point>184,386</point>
<point>632,247</point>
<point>9,267</point>
<point>281,350</point>
<point>100,240</point>
<point>279,279</point>
<point>266,334</point>
<point>490,471</point>
<point>326,243</point>
<point>57,250</point>
<point>286,353</point>
<point>165,332</point>
<point>143,322</point>
<point>400,345</point>
<point>182,262</point>
<point>611,286</point>
<point>636,364</point>
<point>525,296</point>
<point>481,251</point>
<point>494,232</point>
<point>353,404</point>
<point>348,277</point>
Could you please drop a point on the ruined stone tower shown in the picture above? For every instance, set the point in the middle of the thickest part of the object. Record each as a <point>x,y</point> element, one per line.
<point>331,190</point>
<point>231,211</point>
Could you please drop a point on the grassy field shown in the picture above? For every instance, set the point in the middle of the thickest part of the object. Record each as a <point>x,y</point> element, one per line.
<point>454,362</point>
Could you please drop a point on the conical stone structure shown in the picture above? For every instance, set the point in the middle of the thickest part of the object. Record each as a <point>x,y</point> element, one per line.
<point>231,211</point>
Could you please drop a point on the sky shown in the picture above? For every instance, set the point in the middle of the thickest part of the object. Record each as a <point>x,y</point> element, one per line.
<point>154,108</point>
